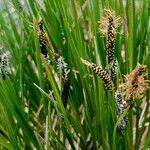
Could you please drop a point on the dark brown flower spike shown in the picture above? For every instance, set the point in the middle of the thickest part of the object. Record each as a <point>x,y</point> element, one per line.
<point>42,38</point>
<point>101,73</point>
<point>65,91</point>
<point>108,25</point>
<point>44,42</point>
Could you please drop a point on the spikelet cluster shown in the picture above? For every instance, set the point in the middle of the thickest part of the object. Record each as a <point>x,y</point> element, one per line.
<point>42,38</point>
<point>63,69</point>
<point>121,104</point>
<point>135,84</point>
<point>108,25</point>
<point>101,73</point>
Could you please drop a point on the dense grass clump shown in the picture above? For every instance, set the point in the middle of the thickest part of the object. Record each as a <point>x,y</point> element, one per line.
<point>74,74</point>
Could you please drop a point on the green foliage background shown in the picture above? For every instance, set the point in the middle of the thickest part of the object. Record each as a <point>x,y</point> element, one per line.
<point>72,29</point>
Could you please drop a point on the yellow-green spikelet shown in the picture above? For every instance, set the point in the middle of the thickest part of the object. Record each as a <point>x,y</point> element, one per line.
<point>101,73</point>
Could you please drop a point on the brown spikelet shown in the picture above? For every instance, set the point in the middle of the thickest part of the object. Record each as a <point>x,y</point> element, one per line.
<point>42,38</point>
<point>101,73</point>
<point>108,25</point>
<point>44,42</point>
<point>135,85</point>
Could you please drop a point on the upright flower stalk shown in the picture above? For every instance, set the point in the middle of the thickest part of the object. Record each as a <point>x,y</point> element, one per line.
<point>108,25</point>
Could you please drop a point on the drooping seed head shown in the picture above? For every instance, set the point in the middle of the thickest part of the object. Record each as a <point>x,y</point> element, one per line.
<point>101,73</point>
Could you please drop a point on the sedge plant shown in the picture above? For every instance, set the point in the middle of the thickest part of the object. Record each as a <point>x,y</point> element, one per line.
<point>69,77</point>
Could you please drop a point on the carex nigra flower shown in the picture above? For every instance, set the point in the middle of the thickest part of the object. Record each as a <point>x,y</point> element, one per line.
<point>135,85</point>
<point>101,73</point>
<point>108,25</point>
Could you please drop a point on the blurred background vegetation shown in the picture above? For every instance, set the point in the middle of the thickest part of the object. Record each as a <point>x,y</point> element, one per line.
<point>32,115</point>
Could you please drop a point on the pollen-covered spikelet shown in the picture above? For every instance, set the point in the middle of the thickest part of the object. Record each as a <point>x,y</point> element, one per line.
<point>101,73</point>
<point>42,37</point>
<point>108,25</point>
<point>135,85</point>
